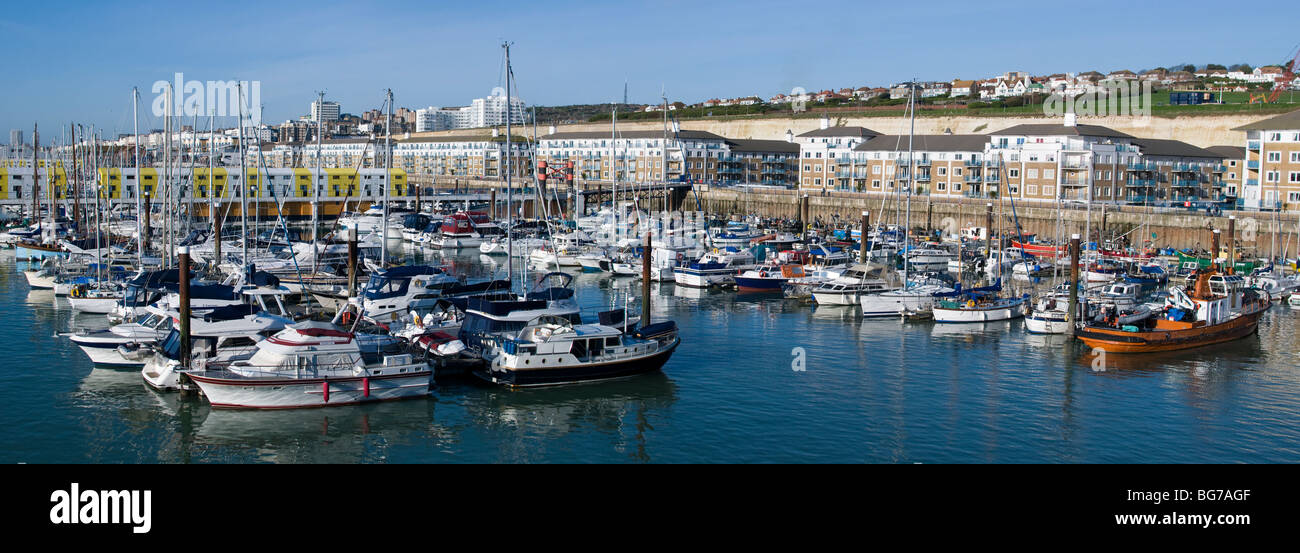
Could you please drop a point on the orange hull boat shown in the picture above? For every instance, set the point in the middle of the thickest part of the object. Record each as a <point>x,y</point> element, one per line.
<point>1173,335</point>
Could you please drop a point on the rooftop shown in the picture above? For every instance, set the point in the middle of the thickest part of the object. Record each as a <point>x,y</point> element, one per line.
<point>926,143</point>
<point>1285,122</point>
<point>841,131</point>
<point>1172,148</point>
<point>1049,129</point>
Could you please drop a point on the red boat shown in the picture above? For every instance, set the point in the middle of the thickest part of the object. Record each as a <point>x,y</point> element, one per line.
<point>1040,250</point>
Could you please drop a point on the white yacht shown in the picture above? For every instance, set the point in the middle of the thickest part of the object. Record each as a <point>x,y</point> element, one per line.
<point>314,364</point>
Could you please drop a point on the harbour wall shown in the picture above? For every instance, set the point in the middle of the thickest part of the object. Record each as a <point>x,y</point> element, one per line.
<point>1177,228</point>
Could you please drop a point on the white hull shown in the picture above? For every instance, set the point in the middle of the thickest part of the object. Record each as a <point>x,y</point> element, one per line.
<point>38,281</point>
<point>1043,323</point>
<point>93,305</point>
<point>698,279</point>
<point>841,297</point>
<point>285,394</point>
<point>455,243</point>
<point>978,314</point>
<point>890,305</point>
<point>108,356</point>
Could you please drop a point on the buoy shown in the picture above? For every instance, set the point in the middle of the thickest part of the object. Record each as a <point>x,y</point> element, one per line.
<point>365,384</point>
<point>326,386</point>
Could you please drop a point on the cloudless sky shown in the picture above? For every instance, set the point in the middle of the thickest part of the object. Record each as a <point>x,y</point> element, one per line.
<point>77,61</point>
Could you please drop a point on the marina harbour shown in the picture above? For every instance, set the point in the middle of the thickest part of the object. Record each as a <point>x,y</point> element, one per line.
<point>870,390</point>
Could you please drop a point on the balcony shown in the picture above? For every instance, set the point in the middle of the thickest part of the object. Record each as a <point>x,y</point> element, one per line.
<point>973,177</point>
<point>1252,144</point>
<point>1074,182</point>
<point>1142,199</point>
<point>1141,183</point>
<point>1133,167</point>
<point>973,163</point>
<point>1252,182</point>
<point>1074,165</point>
<point>993,177</point>
<point>923,162</point>
<point>925,177</point>
<point>1186,183</point>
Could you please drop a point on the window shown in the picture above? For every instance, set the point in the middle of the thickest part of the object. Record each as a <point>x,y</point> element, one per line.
<point>1272,176</point>
<point>1013,173</point>
<point>1275,156</point>
<point>1049,173</point>
<point>1031,173</point>
<point>1032,189</point>
<point>875,183</point>
<point>1293,177</point>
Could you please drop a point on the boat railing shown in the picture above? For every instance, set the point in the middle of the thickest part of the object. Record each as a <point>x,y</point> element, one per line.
<point>225,370</point>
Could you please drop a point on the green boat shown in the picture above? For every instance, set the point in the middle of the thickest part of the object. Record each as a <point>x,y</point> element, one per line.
<point>1240,267</point>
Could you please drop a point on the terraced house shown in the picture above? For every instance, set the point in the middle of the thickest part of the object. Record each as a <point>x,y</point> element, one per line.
<point>1271,166</point>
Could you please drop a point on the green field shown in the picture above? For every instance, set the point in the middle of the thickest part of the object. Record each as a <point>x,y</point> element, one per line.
<point>1234,103</point>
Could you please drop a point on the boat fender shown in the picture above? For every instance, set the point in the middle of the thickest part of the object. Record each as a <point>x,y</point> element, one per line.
<point>365,387</point>
<point>75,292</point>
<point>325,386</point>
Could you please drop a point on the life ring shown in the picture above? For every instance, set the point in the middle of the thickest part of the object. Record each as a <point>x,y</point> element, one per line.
<point>970,303</point>
<point>75,292</point>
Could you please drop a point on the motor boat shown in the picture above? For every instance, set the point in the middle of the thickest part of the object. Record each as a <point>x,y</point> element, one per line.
<point>312,364</point>
<point>552,350</point>
<point>850,286</point>
<point>714,269</point>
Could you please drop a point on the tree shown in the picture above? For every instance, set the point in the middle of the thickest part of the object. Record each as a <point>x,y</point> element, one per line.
<point>1189,68</point>
<point>1215,66</point>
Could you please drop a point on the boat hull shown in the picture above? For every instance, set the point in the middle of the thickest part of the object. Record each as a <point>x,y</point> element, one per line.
<point>1118,341</point>
<point>881,305</point>
<point>254,393</point>
<point>979,314</point>
<point>577,374</point>
<point>1041,323</point>
<point>751,284</point>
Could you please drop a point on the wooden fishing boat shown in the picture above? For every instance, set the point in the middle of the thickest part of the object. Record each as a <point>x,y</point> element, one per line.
<point>1220,308</point>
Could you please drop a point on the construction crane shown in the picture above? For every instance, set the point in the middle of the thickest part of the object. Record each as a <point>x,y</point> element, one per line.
<point>1281,84</point>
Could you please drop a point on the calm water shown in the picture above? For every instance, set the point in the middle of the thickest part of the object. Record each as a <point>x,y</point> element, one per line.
<point>871,391</point>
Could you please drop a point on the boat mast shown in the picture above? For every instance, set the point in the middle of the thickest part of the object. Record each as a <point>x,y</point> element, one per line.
<point>510,214</point>
<point>243,176</point>
<point>911,172</point>
<point>315,185</point>
<point>388,176</point>
<point>139,201</point>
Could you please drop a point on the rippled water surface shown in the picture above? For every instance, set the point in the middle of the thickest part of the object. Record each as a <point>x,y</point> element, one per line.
<point>870,391</point>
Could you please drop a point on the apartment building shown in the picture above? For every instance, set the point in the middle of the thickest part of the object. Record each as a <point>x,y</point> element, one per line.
<point>1072,162</point>
<point>945,165</point>
<point>636,155</point>
<point>768,162</point>
<point>1174,172</point>
<point>1234,174</point>
<point>1271,164</point>
<point>823,152</point>
<point>422,158</point>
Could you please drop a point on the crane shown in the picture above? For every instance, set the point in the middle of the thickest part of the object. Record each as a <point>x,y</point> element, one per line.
<point>1279,85</point>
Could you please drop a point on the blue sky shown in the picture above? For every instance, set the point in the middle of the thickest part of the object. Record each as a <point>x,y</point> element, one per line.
<point>77,61</point>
